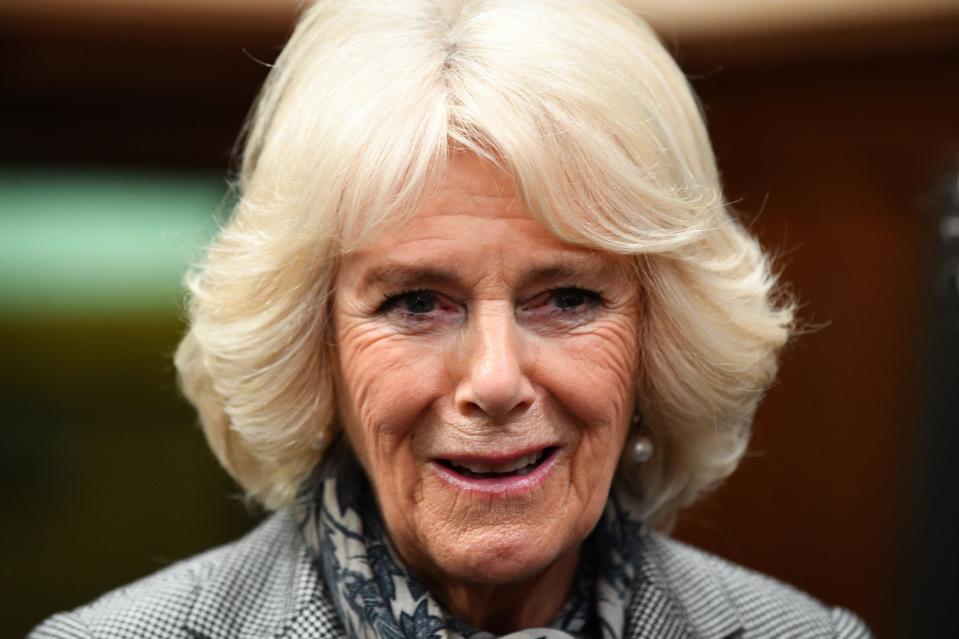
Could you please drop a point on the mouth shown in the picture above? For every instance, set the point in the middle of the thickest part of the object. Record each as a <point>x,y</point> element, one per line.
<point>479,468</point>
<point>504,475</point>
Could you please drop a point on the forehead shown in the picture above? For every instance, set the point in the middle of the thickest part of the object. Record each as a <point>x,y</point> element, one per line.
<point>469,177</point>
<point>473,192</point>
<point>476,203</point>
<point>474,227</point>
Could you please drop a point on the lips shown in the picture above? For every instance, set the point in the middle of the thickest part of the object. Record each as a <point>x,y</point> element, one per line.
<point>479,468</point>
<point>500,476</point>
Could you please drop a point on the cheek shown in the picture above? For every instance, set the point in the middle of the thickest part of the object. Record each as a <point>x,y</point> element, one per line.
<point>593,377</point>
<point>384,385</point>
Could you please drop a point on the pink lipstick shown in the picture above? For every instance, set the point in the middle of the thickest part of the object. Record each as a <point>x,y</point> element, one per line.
<point>497,475</point>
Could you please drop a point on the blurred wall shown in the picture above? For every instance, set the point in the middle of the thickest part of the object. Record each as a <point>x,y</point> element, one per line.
<point>831,135</point>
<point>835,162</point>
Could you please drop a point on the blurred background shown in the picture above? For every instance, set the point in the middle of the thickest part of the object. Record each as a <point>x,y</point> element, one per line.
<point>837,129</point>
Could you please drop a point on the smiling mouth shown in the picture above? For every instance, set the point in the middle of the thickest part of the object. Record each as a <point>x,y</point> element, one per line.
<point>487,469</point>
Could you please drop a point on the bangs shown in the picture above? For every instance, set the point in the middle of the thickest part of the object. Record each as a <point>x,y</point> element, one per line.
<point>361,136</point>
<point>591,180</point>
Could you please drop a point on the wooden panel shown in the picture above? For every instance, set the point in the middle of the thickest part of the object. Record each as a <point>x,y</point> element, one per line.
<point>831,165</point>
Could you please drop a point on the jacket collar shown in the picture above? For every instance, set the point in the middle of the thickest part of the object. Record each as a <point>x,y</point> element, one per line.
<point>679,595</point>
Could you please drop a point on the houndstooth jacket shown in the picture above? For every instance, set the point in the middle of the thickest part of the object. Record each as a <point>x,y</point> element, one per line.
<point>265,586</point>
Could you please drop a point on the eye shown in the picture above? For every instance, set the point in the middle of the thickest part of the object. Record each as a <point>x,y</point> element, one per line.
<point>421,308</point>
<point>414,302</point>
<point>572,298</point>
<point>568,303</point>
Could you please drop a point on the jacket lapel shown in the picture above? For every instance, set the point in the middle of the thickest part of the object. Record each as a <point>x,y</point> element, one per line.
<point>679,596</point>
<point>265,586</point>
<point>652,614</point>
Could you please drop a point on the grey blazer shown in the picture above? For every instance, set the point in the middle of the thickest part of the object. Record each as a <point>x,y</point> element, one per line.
<point>265,586</point>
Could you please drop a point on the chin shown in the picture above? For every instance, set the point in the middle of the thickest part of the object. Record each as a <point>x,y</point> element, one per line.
<point>497,536</point>
<point>498,557</point>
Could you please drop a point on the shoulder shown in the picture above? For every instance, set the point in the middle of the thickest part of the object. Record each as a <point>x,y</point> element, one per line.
<point>708,588</point>
<point>157,605</point>
<point>257,586</point>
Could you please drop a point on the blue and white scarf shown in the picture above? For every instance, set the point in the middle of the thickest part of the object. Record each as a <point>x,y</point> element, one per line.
<point>378,598</point>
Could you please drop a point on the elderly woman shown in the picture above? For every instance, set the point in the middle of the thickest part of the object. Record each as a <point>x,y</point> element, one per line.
<point>479,324</point>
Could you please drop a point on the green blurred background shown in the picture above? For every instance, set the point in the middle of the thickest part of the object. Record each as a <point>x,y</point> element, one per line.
<point>103,456</point>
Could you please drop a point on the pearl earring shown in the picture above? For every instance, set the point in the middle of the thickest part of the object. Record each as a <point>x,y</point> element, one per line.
<point>642,449</point>
<point>641,445</point>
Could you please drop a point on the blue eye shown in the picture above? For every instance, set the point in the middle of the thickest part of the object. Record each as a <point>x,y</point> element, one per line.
<point>411,302</point>
<point>562,306</point>
<point>417,303</point>
<point>574,299</point>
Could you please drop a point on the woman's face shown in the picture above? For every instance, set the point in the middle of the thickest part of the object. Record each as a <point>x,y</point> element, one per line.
<point>485,380</point>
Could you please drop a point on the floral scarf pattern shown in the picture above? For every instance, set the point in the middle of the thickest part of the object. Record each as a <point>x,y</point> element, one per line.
<point>378,598</point>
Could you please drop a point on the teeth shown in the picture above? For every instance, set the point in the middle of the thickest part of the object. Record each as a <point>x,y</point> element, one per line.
<point>477,468</point>
<point>520,465</point>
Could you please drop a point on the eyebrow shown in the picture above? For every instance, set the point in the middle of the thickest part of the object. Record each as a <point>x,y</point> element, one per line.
<point>403,275</point>
<point>570,269</point>
<point>412,274</point>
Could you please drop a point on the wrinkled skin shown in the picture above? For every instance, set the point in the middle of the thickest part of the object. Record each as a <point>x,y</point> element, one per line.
<point>511,339</point>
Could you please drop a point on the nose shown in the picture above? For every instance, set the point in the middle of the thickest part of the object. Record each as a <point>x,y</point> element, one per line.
<point>494,378</point>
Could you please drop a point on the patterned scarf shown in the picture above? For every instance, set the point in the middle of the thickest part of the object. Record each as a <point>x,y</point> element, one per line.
<point>378,598</point>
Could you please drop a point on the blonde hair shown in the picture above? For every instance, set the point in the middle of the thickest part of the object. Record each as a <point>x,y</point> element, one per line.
<point>603,136</point>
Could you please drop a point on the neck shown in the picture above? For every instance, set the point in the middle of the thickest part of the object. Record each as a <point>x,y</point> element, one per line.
<point>526,603</point>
